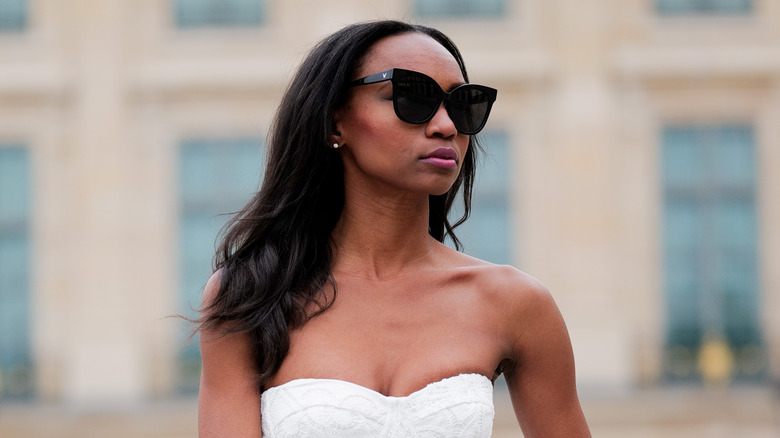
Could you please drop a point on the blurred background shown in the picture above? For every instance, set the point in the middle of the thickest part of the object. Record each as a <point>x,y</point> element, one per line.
<point>632,164</point>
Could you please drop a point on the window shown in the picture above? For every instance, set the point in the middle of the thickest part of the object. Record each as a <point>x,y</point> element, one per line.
<point>15,355</point>
<point>459,8</point>
<point>215,177</point>
<point>487,234</point>
<point>219,13</point>
<point>703,7</point>
<point>13,15</point>
<point>710,237</point>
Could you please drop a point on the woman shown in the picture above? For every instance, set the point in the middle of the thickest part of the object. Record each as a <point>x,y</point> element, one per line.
<point>335,310</point>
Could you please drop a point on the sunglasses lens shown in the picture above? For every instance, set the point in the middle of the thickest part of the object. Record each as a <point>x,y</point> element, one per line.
<point>468,108</point>
<point>416,97</point>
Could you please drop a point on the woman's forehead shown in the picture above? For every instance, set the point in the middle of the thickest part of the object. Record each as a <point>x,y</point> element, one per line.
<point>411,51</point>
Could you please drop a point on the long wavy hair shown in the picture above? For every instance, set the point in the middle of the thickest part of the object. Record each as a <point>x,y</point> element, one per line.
<point>275,255</point>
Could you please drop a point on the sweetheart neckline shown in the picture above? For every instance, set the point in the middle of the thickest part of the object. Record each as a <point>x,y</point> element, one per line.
<point>305,380</point>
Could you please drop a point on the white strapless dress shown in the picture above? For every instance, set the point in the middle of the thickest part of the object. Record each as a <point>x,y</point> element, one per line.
<point>456,407</point>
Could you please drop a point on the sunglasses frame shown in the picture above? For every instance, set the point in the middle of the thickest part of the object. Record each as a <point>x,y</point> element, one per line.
<point>395,74</point>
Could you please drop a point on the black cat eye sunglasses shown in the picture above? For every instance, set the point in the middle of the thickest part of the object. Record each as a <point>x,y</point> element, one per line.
<point>416,98</point>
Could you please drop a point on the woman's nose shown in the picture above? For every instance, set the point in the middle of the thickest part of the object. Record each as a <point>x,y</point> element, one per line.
<point>441,124</point>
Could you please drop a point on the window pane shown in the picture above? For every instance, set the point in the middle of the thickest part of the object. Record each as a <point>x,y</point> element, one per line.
<point>710,249</point>
<point>13,15</point>
<point>701,7</point>
<point>219,13</point>
<point>734,158</point>
<point>682,226</point>
<point>682,276</point>
<point>15,355</point>
<point>487,234</point>
<point>681,164</point>
<point>460,8</point>
<point>215,177</point>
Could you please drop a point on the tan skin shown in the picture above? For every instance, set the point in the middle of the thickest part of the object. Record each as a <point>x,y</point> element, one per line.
<point>409,310</point>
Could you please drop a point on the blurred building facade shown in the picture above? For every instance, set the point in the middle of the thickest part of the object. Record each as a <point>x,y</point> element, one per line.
<point>633,165</point>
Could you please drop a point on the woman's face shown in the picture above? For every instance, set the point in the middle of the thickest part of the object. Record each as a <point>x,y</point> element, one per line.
<point>379,149</point>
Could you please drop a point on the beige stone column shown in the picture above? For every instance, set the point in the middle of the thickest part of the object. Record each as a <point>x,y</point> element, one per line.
<point>103,361</point>
<point>574,232</point>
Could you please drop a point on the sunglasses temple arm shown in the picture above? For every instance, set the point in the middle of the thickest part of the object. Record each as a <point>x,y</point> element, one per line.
<point>374,78</point>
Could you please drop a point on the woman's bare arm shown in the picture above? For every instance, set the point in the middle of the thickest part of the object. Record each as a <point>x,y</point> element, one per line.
<point>229,400</point>
<point>541,376</point>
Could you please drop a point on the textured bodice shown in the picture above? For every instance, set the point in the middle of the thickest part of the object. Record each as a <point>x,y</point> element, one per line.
<point>456,407</point>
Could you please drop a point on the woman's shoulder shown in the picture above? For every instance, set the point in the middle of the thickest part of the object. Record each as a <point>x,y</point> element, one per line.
<point>503,282</point>
<point>511,288</point>
<point>211,290</point>
<point>510,293</point>
<point>516,305</point>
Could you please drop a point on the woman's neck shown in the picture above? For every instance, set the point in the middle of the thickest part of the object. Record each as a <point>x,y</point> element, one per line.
<point>380,236</point>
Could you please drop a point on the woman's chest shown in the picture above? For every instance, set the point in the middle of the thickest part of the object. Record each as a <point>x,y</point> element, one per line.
<point>394,346</point>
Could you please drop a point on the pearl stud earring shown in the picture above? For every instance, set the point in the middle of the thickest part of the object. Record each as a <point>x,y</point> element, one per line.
<point>335,145</point>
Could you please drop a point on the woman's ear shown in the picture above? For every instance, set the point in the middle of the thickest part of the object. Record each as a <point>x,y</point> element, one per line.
<point>335,139</point>
<point>336,136</point>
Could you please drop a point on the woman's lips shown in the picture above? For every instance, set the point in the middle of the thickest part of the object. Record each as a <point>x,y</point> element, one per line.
<point>442,157</point>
